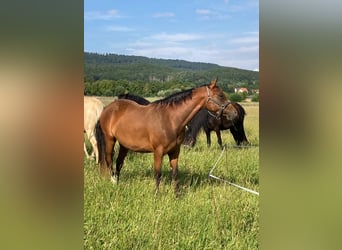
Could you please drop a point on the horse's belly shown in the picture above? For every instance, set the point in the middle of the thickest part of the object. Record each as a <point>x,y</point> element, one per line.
<point>134,141</point>
<point>136,147</point>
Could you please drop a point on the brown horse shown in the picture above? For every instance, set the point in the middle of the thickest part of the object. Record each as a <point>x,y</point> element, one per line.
<point>158,127</point>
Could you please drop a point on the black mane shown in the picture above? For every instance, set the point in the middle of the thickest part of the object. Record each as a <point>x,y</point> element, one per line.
<point>241,111</point>
<point>138,99</point>
<point>176,98</point>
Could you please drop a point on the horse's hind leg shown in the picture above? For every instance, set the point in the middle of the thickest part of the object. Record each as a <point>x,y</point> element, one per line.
<point>85,150</point>
<point>110,142</point>
<point>94,145</point>
<point>92,140</point>
<point>120,160</point>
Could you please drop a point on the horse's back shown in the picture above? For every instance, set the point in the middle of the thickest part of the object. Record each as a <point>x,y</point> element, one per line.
<point>123,107</point>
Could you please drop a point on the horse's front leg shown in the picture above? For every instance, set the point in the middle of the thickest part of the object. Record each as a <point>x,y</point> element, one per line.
<point>207,133</point>
<point>219,139</point>
<point>173,158</point>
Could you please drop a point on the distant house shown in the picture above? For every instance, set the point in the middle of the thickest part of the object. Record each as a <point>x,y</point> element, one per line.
<point>255,91</point>
<point>241,90</point>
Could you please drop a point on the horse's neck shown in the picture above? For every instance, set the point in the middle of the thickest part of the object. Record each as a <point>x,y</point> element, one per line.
<point>189,108</point>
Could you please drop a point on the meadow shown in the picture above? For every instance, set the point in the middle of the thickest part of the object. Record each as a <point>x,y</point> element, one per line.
<point>208,214</point>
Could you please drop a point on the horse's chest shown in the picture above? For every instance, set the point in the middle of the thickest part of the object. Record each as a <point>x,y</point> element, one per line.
<point>213,123</point>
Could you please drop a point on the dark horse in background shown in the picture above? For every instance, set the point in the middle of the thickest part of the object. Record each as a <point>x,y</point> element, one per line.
<point>158,127</point>
<point>232,119</point>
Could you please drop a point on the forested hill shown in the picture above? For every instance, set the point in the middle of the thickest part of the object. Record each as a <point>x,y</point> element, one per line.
<point>94,58</point>
<point>110,74</point>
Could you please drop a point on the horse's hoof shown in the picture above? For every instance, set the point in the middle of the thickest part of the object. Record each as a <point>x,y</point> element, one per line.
<point>113,179</point>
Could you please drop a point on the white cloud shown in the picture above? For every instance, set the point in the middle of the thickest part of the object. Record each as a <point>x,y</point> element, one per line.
<point>177,37</point>
<point>208,14</point>
<point>164,45</point>
<point>140,44</point>
<point>204,12</point>
<point>163,14</point>
<point>241,57</point>
<point>246,57</point>
<point>241,52</point>
<point>101,15</point>
<point>172,52</point>
<point>246,49</point>
<point>114,28</point>
<point>240,6</point>
<point>247,43</point>
<point>247,39</point>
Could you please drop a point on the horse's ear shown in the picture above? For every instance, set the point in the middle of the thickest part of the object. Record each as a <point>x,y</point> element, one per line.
<point>213,83</point>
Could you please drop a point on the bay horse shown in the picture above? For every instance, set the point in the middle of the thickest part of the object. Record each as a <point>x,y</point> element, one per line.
<point>232,118</point>
<point>92,111</point>
<point>158,127</point>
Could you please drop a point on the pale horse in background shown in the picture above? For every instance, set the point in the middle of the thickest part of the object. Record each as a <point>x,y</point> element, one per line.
<point>92,110</point>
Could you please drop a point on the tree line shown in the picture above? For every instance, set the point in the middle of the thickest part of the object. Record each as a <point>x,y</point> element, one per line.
<point>110,75</point>
<point>116,87</point>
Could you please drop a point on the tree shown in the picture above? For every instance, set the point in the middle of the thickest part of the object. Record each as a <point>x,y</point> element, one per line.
<point>235,97</point>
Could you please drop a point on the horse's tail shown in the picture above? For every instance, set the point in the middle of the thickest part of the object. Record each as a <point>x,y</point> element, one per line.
<point>101,144</point>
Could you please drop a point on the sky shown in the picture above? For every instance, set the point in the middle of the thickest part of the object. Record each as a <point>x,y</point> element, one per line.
<point>224,32</point>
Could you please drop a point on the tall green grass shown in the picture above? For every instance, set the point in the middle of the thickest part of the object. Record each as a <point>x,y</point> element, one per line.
<point>208,214</point>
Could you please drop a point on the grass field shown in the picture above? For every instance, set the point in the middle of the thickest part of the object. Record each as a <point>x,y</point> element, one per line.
<point>208,214</point>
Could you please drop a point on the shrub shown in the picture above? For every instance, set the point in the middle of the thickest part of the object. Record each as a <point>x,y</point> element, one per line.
<point>236,97</point>
<point>255,98</point>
